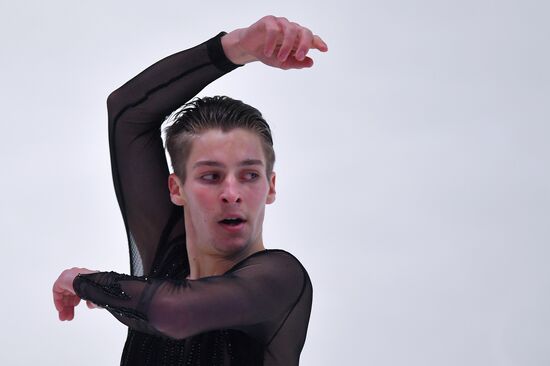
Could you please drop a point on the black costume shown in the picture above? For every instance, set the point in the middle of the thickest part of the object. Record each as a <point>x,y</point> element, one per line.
<point>255,314</point>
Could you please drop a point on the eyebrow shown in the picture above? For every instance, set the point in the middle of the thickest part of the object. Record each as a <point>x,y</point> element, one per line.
<point>213,163</point>
<point>248,162</point>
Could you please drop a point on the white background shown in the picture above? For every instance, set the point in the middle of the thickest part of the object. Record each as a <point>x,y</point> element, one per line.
<point>413,171</point>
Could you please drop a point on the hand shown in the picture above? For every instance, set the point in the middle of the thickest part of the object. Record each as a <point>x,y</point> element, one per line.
<point>274,41</point>
<point>64,296</point>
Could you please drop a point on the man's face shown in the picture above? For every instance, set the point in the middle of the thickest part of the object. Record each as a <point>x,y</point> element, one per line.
<point>225,192</point>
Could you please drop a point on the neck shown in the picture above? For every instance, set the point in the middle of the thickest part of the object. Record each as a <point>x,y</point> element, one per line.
<point>207,264</point>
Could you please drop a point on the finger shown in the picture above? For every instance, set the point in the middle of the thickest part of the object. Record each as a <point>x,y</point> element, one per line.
<point>68,300</point>
<point>319,44</point>
<point>293,63</point>
<point>305,41</point>
<point>289,39</point>
<point>76,300</point>
<point>63,299</point>
<point>91,305</point>
<point>58,301</point>
<point>67,313</point>
<point>272,31</point>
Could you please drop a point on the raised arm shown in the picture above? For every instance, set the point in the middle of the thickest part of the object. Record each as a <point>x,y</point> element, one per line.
<point>138,108</point>
<point>139,167</point>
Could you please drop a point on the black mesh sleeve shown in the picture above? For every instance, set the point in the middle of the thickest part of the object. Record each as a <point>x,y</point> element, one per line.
<point>256,296</point>
<point>140,172</point>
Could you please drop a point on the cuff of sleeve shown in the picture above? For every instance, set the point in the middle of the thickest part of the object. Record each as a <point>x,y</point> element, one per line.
<point>216,54</point>
<point>77,286</point>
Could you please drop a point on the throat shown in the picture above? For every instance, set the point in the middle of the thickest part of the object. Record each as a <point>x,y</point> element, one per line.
<point>206,265</point>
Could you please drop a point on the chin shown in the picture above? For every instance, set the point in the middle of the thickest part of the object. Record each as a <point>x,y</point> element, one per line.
<point>233,248</point>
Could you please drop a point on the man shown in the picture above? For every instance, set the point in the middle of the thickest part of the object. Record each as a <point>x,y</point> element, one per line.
<point>203,290</point>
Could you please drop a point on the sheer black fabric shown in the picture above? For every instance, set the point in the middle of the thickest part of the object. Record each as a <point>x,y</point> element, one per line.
<point>255,314</point>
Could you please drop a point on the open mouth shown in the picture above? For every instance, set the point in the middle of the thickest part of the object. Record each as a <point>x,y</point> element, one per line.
<point>232,221</point>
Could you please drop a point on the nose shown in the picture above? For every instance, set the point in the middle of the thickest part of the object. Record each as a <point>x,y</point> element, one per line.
<point>230,191</point>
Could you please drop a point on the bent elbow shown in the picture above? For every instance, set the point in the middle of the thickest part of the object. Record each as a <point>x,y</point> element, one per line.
<point>113,101</point>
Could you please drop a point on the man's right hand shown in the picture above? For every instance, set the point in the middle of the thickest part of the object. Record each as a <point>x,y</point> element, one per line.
<point>64,297</point>
<point>274,41</point>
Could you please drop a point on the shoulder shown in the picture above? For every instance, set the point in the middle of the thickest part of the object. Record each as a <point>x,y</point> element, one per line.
<point>270,257</point>
<point>274,265</point>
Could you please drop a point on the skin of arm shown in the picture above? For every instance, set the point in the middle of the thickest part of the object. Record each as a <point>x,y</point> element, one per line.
<point>274,41</point>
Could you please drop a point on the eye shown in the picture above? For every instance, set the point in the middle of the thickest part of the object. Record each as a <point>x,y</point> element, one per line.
<point>250,176</point>
<point>210,177</point>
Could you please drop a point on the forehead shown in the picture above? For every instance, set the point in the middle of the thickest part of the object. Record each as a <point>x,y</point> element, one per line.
<point>227,147</point>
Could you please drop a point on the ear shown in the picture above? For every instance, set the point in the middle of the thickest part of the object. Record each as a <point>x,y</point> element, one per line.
<point>176,190</point>
<point>271,193</point>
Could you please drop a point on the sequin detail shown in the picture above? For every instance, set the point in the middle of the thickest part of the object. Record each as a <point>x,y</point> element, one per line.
<point>112,289</point>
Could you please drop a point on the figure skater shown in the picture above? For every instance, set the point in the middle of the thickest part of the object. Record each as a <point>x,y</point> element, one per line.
<point>203,289</point>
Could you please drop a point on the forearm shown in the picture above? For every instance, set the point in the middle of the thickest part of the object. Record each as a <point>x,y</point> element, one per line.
<point>166,85</point>
<point>248,297</point>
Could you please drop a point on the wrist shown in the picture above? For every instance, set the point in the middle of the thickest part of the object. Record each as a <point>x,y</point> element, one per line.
<point>232,49</point>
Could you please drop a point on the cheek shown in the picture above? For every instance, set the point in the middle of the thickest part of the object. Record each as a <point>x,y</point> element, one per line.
<point>202,200</point>
<point>258,195</point>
